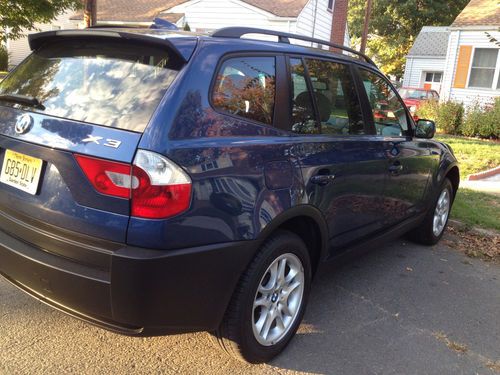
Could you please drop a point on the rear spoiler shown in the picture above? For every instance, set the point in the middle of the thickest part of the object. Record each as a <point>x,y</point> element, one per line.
<point>183,49</point>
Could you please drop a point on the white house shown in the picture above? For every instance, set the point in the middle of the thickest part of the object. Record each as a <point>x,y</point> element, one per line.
<point>473,57</point>
<point>305,17</point>
<point>425,63</point>
<point>471,67</point>
<point>18,49</point>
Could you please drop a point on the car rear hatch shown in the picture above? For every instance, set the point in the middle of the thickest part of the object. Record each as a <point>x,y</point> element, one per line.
<point>80,102</point>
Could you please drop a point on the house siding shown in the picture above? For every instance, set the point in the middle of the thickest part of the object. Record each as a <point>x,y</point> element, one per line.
<point>416,66</point>
<point>323,27</point>
<point>208,15</point>
<point>19,49</point>
<point>468,96</point>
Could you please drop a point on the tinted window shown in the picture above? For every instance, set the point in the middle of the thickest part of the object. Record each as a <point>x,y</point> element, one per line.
<point>336,98</point>
<point>389,114</point>
<point>303,120</point>
<point>245,87</point>
<point>113,84</point>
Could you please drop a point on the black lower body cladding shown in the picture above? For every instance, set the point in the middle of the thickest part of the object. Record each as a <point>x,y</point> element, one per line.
<point>145,292</point>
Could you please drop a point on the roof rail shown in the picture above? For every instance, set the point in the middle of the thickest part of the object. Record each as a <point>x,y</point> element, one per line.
<point>238,32</point>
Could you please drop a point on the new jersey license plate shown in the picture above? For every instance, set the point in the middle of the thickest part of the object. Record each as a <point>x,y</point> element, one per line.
<point>21,171</point>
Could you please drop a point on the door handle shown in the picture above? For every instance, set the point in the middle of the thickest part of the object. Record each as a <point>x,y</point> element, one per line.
<point>396,168</point>
<point>322,179</point>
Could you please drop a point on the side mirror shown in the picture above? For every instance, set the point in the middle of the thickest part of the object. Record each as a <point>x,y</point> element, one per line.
<point>425,129</point>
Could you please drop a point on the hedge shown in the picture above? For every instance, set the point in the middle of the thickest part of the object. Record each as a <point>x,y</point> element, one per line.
<point>477,121</point>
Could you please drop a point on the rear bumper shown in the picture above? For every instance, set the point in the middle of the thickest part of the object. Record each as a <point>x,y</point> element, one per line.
<point>143,292</point>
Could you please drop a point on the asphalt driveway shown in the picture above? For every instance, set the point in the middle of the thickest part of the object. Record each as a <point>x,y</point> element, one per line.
<point>400,309</point>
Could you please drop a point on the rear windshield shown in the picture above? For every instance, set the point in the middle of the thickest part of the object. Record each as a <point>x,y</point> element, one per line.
<point>116,84</point>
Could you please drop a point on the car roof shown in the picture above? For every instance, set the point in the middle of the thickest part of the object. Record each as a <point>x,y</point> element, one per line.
<point>416,88</point>
<point>188,40</point>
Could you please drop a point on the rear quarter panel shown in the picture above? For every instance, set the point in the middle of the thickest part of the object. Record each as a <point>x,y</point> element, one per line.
<point>244,174</point>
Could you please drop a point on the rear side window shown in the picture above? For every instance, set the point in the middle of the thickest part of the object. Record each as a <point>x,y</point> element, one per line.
<point>336,98</point>
<point>246,87</point>
<point>116,84</point>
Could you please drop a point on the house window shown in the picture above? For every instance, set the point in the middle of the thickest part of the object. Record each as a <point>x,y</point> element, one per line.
<point>483,67</point>
<point>330,4</point>
<point>433,77</point>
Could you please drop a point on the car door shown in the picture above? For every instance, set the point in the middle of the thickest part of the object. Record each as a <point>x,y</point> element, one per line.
<point>409,160</point>
<point>342,162</point>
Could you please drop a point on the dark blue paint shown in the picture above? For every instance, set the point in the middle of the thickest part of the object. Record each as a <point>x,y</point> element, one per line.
<point>244,174</point>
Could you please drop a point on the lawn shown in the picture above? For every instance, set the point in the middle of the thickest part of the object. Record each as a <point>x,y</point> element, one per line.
<point>477,209</point>
<point>474,155</point>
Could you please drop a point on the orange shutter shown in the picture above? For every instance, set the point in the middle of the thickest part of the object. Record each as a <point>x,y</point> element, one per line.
<point>464,54</point>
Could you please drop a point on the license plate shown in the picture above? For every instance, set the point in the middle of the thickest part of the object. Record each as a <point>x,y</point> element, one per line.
<point>21,171</point>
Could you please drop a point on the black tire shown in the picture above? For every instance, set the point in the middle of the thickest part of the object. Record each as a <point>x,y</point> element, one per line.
<point>424,233</point>
<point>235,333</point>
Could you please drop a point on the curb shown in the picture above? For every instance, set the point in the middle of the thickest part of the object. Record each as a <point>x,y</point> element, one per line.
<point>484,174</point>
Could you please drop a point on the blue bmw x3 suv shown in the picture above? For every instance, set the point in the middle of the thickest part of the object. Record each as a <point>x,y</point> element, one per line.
<point>157,182</point>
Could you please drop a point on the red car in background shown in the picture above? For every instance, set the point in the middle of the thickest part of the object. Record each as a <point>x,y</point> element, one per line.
<point>414,97</point>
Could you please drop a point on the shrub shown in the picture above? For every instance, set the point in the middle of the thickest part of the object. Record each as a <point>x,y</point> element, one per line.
<point>447,115</point>
<point>482,122</point>
<point>428,110</point>
<point>4,59</point>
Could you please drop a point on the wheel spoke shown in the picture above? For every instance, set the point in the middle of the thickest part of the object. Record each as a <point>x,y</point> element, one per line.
<point>270,317</point>
<point>290,288</point>
<point>281,271</point>
<point>263,301</point>
<point>284,308</point>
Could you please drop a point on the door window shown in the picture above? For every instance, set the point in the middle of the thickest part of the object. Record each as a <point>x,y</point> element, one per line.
<point>336,98</point>
<point>246,87</point>
<point>303,119</point>
<point>389,114</point>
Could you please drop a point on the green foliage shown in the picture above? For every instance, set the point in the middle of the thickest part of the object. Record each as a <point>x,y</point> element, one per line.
<point>473,154</point>
<point>4,59</point>
<point>476,208</point>
<point>482,122</point>
<point>447,115</point>
<point>394,24</point>
<point>186,27</point>
<point>21,15</point>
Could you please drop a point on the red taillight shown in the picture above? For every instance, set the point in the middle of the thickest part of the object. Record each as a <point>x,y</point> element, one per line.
<point>158,201</point>
<point>157,187</point>
<point>107,177</point>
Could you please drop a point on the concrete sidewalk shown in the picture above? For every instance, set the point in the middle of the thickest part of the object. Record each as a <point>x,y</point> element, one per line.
<point>486,185</point>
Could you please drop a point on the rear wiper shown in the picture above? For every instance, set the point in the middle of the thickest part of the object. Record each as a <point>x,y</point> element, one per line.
<point>22,99</point>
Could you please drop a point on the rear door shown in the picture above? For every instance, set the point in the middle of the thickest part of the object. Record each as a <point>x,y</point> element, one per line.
<point>409,160</point>
<point>343,164</point>
<point>76,99</point>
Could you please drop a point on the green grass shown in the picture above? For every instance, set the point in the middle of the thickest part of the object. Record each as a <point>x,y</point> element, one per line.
<point>474,155</point>
<point>477,209</point>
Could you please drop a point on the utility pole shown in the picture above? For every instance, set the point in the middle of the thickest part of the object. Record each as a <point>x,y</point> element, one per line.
<point>364,37</point>
<point>90,13</point>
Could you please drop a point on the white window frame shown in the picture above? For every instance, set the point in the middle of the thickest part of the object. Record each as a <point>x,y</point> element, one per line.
<point>495,74</point>
<point>424,75</point>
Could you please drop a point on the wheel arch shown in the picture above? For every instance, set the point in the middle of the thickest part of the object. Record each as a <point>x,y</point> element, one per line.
<point>453,174</point>
<point>308,223</point>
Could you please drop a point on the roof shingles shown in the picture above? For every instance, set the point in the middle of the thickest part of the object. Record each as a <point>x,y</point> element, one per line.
<point>479,13</point>
<point>431,41</point>
<point>147,10</point>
